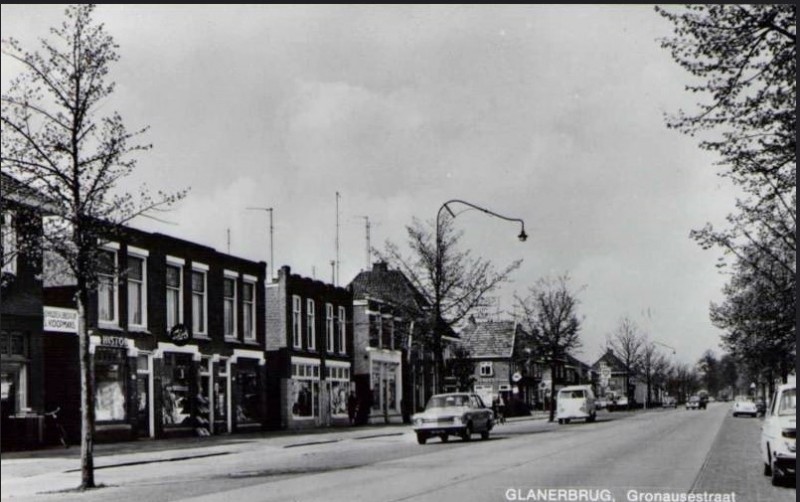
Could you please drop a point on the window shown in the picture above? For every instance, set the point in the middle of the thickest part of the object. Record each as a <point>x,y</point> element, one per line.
<point>176,382</point>
<point>9,242</point>
<point>387,332</point>
<point>107,286</point>
<point>338,378</point>
<point>199,313</point>
<point>342,321</point>
<point>248,311</point>
<point>486,369</point>
<point>329,326</point>
<point>229,306</point>
<point>110,378</point>
<point>137,291</point>
<point>174,295</point>
<point>310,325</point>
<point>296,320</point>
<point>375,330</point>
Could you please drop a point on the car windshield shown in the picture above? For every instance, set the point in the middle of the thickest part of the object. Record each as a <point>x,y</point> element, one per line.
<point>571,394</point>
<point>744,398</point>
<point>447,401</point>
<point>788,404</point>
<point>694,398</point>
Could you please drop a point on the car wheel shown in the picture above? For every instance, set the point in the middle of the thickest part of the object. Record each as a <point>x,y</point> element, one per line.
<point>777,476</point>
<point>444,437</point>
<point>421,438</point>
<point>467,434</point>
<point>592,417</point>
<point>566,420</point>
<point>735,414</point>
<point>485,435</point>
<point>560,421</point>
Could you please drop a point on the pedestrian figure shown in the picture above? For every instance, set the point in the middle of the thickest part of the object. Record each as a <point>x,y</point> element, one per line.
<point>501,410</point>
<point>352,407</point>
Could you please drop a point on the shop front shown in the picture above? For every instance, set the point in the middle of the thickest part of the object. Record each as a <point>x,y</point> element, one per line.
<point>304,393</point>
<point>386,384</point>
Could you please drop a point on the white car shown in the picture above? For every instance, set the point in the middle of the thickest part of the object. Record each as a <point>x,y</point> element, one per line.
<point>576,401</point>
<point>744,405</point>
<point>457,414</point>
<point>778,434</point>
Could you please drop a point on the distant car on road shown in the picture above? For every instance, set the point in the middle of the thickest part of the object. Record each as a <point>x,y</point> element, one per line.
<point>694,403</point>
<point>456,414</point>
<point>744,405</point>
<point>669,402</point>
<point>778,443</point>
<point>576,401</point>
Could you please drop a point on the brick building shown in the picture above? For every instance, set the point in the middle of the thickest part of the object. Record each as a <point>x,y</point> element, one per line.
<point>502,365</point>
<point>21,314</point>
<point>309,344</point>
<point>177,338</point>
<point>392,375</point>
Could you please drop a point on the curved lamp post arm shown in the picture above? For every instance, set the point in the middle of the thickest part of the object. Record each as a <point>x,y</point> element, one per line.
<point>665,345</point>
<point>522,235</point>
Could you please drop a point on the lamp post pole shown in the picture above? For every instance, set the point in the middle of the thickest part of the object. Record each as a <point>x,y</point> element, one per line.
<point>438,324</point>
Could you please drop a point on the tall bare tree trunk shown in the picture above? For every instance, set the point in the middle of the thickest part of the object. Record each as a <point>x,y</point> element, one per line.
<point>552,392</point>
<point>87,395</point>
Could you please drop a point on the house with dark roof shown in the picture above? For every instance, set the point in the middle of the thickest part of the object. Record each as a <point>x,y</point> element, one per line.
<point>502,355</point>
<point>614,380</point>
<point>393,371</point>
<point>569,370</point>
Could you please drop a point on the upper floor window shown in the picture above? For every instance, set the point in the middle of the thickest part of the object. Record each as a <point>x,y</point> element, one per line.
<point>9,242</point>
<point>229,305</point>
<point>329,336</point>
<point>174,281</point>
<point>375,330</point>
<point>296,321</point>
<point>342,322</point>
<point>107,286</point>
<point>387,333</point>
<point>137,290</point>
<point>486,369</point>
<point>311,332</point>
<point>249,311</point>
<point>199,299</point>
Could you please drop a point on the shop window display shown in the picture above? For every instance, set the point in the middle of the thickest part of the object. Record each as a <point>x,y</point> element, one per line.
<point>305,390</point>
<point>110,378</point>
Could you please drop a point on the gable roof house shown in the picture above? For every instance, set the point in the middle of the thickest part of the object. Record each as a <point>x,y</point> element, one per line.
<point>502,356</point>
<point>393,368</point>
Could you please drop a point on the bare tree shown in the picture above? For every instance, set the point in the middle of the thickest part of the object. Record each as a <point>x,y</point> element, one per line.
<point>55,140</point>
<point>550,313</point>
<point>451,280</point>
<point>627,343</point>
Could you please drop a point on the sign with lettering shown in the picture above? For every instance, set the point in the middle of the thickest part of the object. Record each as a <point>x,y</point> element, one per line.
<point>114,341</point>
<point>60,320</point>
<point>179,335</point>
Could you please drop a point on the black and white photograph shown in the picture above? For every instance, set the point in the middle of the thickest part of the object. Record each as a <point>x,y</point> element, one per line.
<point>365,252</point>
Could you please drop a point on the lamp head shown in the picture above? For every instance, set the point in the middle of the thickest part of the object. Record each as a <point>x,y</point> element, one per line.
<point>522,236</point>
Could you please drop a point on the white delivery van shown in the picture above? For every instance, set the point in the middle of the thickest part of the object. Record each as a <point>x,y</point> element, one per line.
<point>576,401</point>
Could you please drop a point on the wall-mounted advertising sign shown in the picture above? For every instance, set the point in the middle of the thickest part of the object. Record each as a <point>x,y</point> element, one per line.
<point>179,335</point>
<point>60,320</point>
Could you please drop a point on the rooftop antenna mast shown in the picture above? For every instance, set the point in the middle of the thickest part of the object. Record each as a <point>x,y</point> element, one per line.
<point>369,246</point>
<point>336,268</point>
<point>271,263</point>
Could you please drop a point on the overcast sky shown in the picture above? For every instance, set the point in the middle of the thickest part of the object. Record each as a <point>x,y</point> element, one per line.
<point>552,114</point>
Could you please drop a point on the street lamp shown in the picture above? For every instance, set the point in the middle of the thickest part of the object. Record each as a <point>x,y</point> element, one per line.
<point>439,361</point>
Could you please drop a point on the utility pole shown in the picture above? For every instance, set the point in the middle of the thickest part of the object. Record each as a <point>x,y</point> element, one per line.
<point>271,263</point>
<point>229,241</point>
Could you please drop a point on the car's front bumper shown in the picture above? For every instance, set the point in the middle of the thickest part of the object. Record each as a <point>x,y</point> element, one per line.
<point>438,429</point>
<point>785,462</point>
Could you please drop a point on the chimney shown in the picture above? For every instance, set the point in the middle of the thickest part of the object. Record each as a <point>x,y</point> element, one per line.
<point>380,266</point>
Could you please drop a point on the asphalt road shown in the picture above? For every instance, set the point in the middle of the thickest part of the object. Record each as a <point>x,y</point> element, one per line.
<point>621,457</point>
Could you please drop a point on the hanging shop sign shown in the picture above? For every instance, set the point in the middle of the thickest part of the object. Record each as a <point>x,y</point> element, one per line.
<point>179,335</point>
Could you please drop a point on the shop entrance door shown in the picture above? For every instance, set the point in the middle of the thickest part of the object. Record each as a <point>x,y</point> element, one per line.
<point>144,384</point>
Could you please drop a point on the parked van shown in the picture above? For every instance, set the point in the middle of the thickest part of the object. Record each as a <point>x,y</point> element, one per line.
<point>576,401</point>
